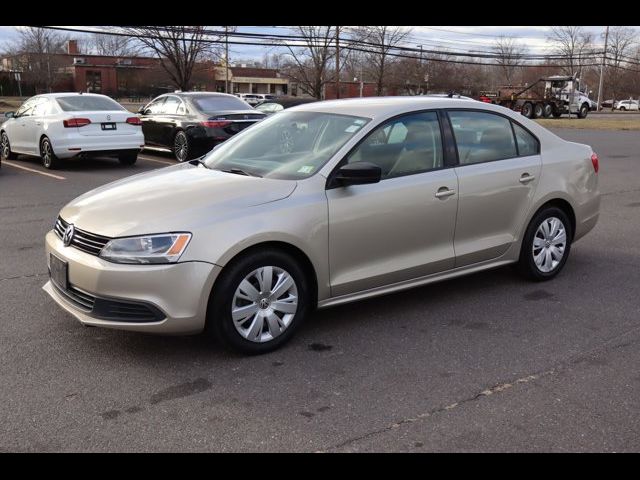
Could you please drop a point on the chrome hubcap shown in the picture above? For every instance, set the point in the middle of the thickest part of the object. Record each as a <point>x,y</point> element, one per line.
<point>549,244</point>
<point>264,304</point>
<point>181,147</point>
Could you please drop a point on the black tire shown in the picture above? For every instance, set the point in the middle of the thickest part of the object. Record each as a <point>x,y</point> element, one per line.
<point>6,152</point>
<point>538,110</point>
<point>526,263</point>
<point>584,111</point>
<point>182,148</point>
<point>128,158</point>
<point>557,113</point>
<point>547,110</point>
<point>219,320</point>
<point>527,110</point>
<point>49,159</point>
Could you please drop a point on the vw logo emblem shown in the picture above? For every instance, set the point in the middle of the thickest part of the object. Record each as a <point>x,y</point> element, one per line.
<point>108,117</point>
<point>246,117</point>
<point>68,235</point>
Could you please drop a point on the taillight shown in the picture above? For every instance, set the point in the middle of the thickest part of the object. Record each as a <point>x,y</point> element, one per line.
<point>594,161</point>
<point>76,122</point>
<point>134,121</point>
<point>215,124</point>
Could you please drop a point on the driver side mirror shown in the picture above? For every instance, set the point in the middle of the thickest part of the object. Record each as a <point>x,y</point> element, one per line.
<point>357,173</point>
<point>9,114</point>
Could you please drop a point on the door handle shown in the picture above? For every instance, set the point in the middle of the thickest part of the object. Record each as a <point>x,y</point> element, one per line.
<point>444,192</point>
<point>526,178</point>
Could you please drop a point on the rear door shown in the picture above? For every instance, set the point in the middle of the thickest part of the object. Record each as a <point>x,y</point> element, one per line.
<point>169,117</point>
<point>498,172</point>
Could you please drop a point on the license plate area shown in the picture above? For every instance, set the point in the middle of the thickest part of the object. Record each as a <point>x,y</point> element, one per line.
<point>59,272</point>
<point>108,126</point>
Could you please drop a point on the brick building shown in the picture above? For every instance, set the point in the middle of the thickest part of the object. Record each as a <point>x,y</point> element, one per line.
<point>349,90</point>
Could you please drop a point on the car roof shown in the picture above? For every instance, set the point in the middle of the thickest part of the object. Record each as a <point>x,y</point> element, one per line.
<point>372,107</point>
<point>70,94</point>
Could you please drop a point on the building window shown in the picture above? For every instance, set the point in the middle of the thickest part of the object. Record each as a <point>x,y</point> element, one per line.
<point>94,81</point>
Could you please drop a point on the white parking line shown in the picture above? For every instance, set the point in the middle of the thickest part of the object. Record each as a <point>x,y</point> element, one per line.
<point>11,164</point>
<point>156,160</point>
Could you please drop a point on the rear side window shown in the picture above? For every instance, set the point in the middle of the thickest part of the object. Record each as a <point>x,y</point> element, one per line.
<point>81,103</point>
<point>482,137</point>
<point>217,104</point>
<point>171,105</point>
<point>527,143</point>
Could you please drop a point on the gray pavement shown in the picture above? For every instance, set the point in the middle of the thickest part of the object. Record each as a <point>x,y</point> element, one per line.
<point>489,362</point>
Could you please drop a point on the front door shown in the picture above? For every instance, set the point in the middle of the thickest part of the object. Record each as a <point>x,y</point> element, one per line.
<point>402,227</point>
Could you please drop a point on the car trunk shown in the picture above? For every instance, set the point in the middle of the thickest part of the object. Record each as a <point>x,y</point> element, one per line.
<point>105,123</point>
<point>239,119</point>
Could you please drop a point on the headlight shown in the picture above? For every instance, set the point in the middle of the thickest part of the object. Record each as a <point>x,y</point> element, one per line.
<point>164,248</point>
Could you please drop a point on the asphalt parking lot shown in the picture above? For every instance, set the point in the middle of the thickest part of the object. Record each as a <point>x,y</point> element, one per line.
<point>489,362</point>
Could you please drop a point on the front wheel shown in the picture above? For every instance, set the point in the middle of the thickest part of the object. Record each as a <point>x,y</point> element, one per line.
<point>584,111</point>
<point>546,245</point>
<point>258,302</point>
<point>49,159</point>
<point>6,152</point>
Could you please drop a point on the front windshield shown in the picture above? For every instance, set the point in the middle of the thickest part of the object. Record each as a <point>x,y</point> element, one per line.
<point>291,145</point>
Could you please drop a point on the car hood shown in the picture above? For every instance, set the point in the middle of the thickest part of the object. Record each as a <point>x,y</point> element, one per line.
<point>177,198</point>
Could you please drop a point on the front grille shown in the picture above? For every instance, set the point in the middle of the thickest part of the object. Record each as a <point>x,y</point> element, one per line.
<point>85,241</point>
<point>110,309</point>
<point>83,300</point>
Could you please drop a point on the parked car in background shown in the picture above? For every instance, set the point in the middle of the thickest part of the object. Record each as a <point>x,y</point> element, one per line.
<point>57,126</point>
<point>281,103</point>
<point>320,205</point>
<point>607,103</point>
<point>623,105</point>
<point>189,124</point>
<point>251,98</point>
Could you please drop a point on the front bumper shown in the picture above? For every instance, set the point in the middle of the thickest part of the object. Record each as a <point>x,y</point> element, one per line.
<point>179,291</point>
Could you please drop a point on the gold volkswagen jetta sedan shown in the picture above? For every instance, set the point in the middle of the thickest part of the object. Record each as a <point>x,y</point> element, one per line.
<point>319,205</point>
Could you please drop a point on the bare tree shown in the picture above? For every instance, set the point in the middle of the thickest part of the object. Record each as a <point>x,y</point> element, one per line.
<point>382,40</point>
<point>620,44</point>
<point>573,43</point>
<point>178,48</point>
<point>113,45</point>
<point>309,64</point>
<point>35,54</point>
<point>509,57</point>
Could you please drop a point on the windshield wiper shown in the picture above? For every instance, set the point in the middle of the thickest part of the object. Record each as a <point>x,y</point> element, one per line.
<point>239,171</point>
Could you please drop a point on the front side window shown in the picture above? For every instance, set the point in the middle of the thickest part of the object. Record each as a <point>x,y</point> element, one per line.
<point>291,145</point>
<point>406,145</point>
<point>26,108</point>
<point>482,137</point>
<point>171,105</point>
<point>155,107</point>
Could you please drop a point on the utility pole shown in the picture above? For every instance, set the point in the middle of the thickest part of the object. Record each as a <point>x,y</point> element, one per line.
<point>337,62</point>
<point>361,81</point>
<point>226,58</point>
<point>604,57</point>
<point>420,70</point>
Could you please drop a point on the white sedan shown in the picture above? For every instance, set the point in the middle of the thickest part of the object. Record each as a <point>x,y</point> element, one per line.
<point>56,126</point>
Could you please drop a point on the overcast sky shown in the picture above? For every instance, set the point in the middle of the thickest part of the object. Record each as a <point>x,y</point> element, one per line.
<point>458,38</point>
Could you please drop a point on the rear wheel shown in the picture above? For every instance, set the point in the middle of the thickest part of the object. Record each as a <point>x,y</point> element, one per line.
<point>49,159</point>
<point>128,157</point>
<point>6,152</point>
<point>527,110</point>
<point>538,110</point>
<point>547,110</point>
<point>258,302</point>
<point>546,244</point>
<point>181,147</point>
